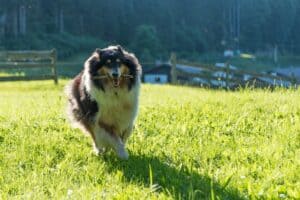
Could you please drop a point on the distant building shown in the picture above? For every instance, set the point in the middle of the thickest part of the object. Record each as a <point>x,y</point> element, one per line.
<point>162,73</point>
<point>289,71</point>
<point>158,75</point>
<point>228,53</point>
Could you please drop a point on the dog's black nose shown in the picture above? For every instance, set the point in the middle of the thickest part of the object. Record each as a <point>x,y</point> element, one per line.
<point>115,75</point>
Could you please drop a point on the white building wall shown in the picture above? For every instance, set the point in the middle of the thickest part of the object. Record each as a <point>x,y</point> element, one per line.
<point>156,78</point>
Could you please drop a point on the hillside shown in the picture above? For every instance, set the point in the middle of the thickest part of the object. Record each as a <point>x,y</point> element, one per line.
<point>188,142</point>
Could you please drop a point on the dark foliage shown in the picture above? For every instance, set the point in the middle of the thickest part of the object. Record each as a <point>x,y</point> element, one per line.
<point>152,28</point>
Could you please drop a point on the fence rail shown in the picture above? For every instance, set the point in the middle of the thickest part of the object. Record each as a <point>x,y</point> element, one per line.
<point>229,77</point>
<point>29,59</point>
<point>207,74</point>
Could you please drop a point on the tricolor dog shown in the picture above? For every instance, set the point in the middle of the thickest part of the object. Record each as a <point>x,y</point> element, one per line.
<point>103,98</point>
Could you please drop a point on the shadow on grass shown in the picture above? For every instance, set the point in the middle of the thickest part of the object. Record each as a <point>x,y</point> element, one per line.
<point>180,182</point>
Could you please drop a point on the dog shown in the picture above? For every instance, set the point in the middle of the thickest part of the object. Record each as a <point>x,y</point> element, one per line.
<point>103,99</point>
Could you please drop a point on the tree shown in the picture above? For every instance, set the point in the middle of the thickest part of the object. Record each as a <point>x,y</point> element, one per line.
<point>146,42</point>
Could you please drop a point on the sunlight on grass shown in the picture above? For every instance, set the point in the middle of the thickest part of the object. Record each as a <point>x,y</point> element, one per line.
<point>188,143</point>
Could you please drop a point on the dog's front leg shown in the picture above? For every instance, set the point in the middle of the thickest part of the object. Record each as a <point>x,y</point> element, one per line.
<point>126,133</point>
<point>106,139</point>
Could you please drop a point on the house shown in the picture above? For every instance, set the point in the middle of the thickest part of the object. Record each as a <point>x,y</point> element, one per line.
<point>161,74</point>
<point>158,75</point>
<point>293,71</point>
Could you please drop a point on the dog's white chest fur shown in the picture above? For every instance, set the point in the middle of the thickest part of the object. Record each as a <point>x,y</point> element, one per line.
<point>117,107</point>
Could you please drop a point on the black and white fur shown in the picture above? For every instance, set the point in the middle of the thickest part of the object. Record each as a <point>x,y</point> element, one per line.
<point>103,104</point>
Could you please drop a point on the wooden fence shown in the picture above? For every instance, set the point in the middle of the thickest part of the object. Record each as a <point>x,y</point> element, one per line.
<point>225,76</point>
<point>208,75</point>
<point>27,60</point>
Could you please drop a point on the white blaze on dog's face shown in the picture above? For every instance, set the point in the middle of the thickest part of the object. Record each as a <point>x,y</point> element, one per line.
<point>113,67</point>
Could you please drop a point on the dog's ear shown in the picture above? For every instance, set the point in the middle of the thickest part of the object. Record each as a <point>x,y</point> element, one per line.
<point>98,50</point>
<point>120,49</point>
<point>97,53</point>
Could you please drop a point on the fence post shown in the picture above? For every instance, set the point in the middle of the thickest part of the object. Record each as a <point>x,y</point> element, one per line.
<point>173,68</point>
<point>53,62</point>
<point>227,74</point>
<point>294,80</point>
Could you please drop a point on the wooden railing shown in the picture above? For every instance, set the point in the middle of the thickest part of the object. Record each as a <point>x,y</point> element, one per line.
<point>10,60</point>
<point>230,77</point>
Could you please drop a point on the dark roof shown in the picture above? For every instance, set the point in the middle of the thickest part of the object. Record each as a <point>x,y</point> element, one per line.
<point>289,71</point>
<point>166,68</point>
<point>190,69</point>
<point>163,68</point>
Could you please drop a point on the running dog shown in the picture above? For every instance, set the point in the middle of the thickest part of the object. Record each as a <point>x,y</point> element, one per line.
<point>103,98</point>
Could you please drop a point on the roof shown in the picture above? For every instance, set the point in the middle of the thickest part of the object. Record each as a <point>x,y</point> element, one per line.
<point>166,69</point>
<point>163,68</point>
<point>289,71</point>
<point>189,69</point>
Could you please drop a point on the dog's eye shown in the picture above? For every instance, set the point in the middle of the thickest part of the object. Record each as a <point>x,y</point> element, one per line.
<point>108,61</point>
<point>118,60</point>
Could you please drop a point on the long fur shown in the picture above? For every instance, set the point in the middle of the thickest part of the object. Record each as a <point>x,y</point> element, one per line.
<point>100,108</point>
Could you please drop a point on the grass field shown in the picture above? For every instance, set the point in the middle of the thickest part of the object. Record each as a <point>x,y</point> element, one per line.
<point>188,143</point>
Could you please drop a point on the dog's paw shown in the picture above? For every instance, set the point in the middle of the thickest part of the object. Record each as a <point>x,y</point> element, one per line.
<point>98,151</point>
<point>123,154</point>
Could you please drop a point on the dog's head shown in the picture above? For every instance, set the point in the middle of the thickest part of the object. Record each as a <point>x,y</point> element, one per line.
<point>113,67</point>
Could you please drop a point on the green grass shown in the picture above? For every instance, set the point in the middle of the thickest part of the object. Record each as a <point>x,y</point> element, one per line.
<point>188,143</point>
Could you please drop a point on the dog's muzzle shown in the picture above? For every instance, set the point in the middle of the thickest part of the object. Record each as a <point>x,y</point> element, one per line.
<point>116,81</point>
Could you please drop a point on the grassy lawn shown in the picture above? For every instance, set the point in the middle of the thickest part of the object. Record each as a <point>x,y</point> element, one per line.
<point>188,143</point>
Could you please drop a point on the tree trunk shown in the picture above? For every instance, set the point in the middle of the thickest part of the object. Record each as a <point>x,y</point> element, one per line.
<point>15,30</point>
<point>81,25</point>
<point>61,21</point>
<point>275,54</point>
<point>22,20</point>
<point>2,25</point>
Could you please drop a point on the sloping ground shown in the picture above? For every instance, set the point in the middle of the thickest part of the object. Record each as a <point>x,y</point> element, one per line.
<point>188,142</point>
